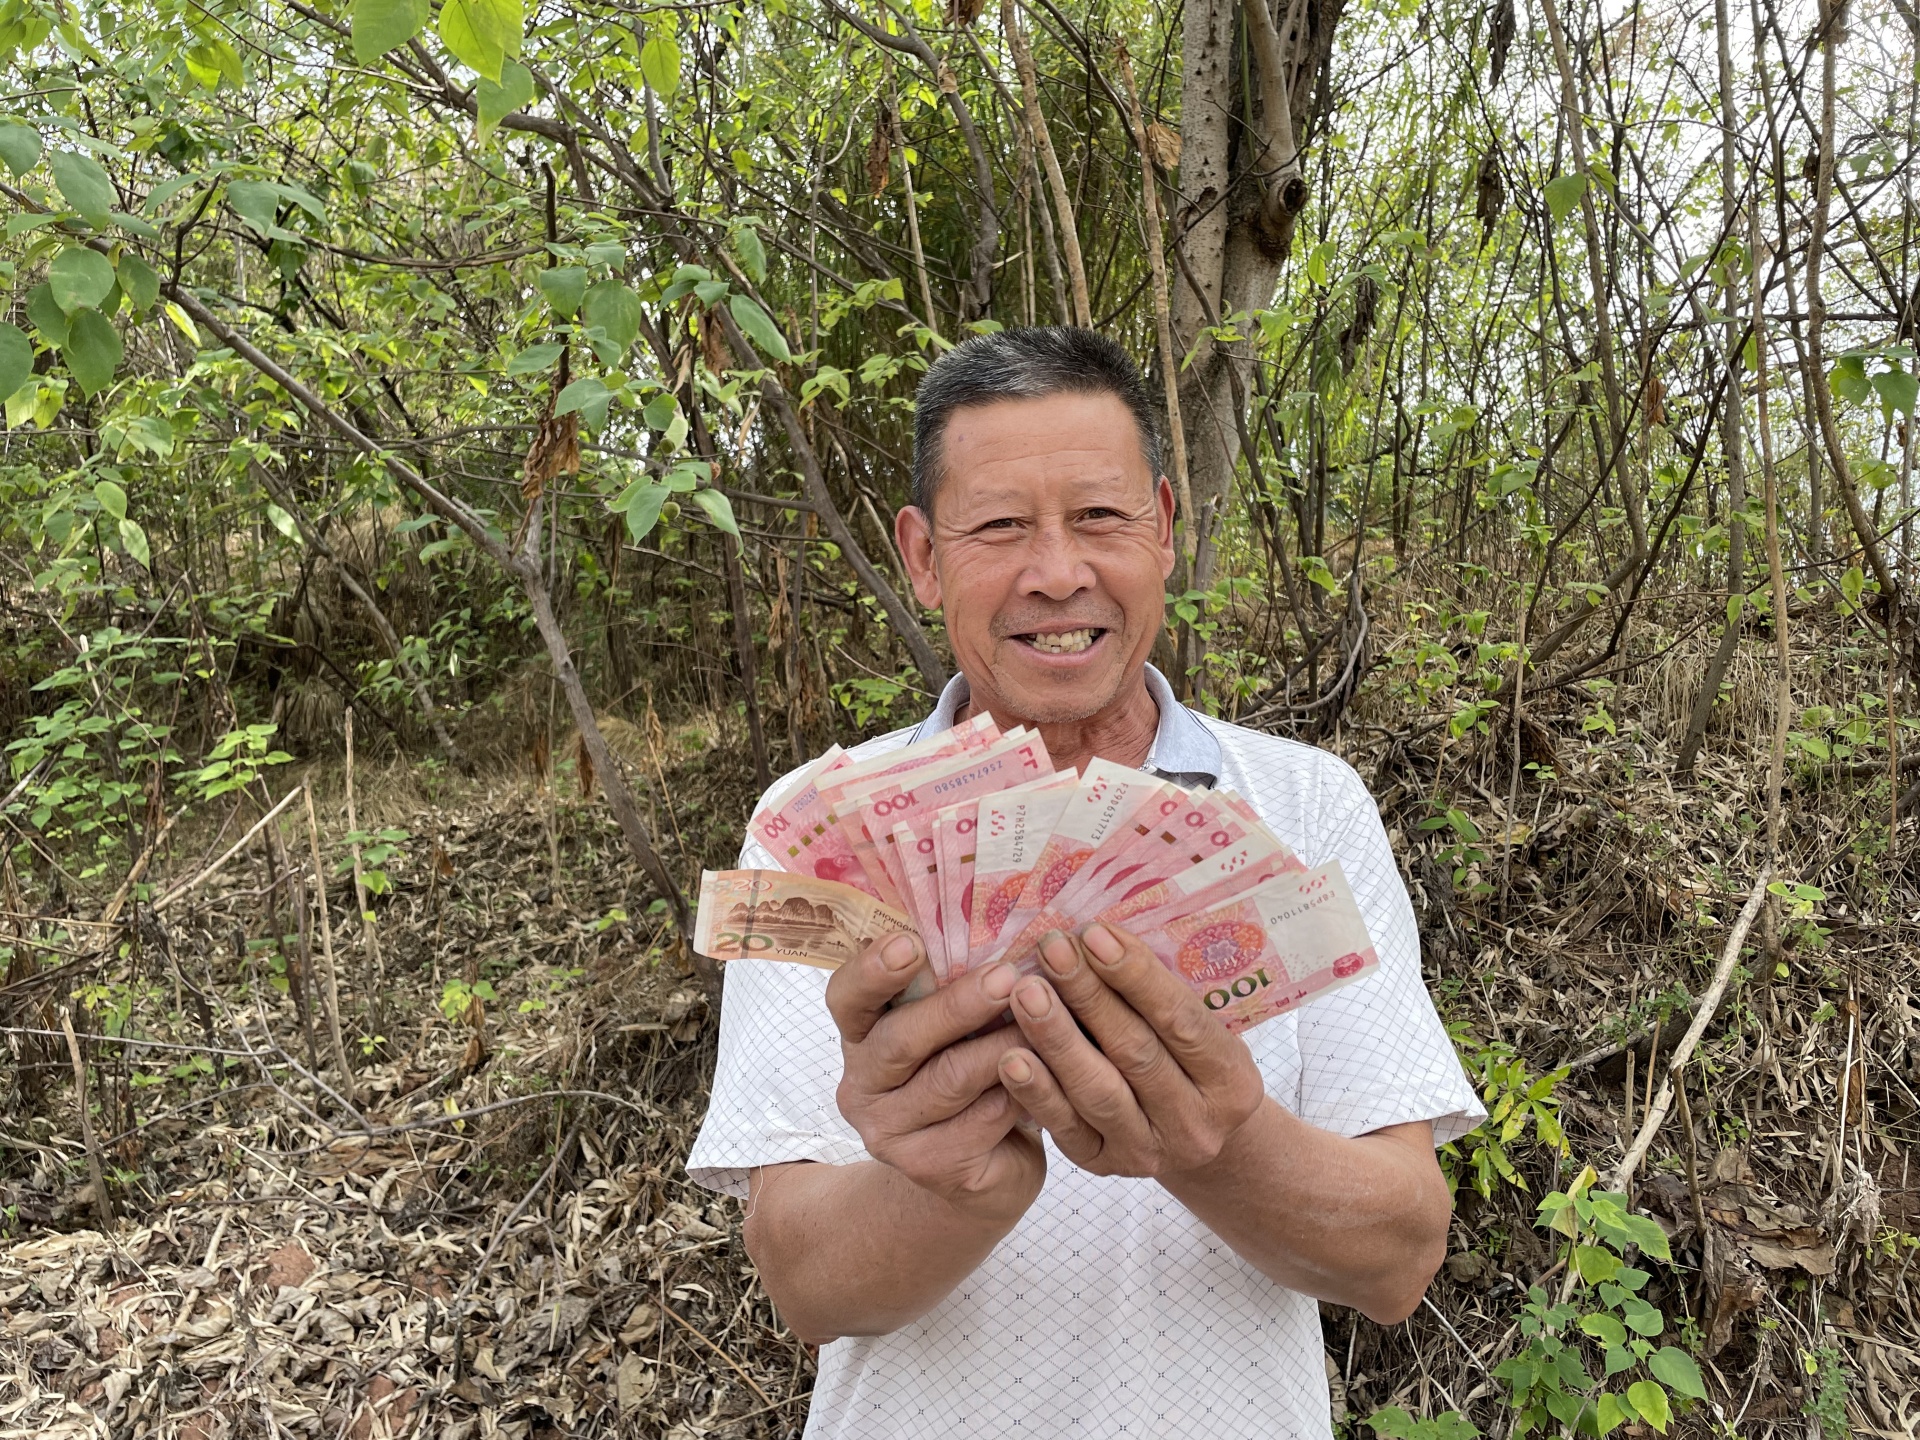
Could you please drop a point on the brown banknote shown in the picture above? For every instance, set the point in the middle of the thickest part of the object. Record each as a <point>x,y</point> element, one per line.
<point>773,915</point>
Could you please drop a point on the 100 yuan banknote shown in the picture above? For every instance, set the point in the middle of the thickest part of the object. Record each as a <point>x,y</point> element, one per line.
<point>1293,938</point>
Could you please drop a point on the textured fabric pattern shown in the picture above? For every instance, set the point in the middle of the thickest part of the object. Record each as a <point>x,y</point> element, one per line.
<point>1110,1310</point>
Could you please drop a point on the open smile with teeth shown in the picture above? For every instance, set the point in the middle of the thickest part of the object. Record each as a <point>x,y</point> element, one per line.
<point>1067,642</point>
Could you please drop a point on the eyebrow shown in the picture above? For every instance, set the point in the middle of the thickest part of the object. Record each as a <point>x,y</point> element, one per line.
<point>997,493</point>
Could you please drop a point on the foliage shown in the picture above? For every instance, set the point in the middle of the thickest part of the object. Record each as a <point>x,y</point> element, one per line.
<point>1393,1423</point>
<point>1550,1380</point>
<point>1516,1100</point>
<point>1828,1381</point>
<point>458,997</point>
<point>378,849</point>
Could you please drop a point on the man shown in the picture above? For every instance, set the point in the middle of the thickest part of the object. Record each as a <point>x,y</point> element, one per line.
<point>1113,1218</point>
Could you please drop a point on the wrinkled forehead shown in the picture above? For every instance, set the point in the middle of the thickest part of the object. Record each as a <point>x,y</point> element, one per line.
<point>1063,449</point>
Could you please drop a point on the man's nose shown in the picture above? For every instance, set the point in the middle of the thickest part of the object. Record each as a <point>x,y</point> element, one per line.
<point>1056,565</point>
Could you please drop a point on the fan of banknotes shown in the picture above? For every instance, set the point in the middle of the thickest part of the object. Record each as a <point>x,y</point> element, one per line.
<point>973,840</point>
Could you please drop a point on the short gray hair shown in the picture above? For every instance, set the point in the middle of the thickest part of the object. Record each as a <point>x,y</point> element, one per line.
<point>1025,364</point>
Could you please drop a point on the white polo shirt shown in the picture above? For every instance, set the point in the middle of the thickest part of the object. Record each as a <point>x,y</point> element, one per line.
<point>1110,1310</point>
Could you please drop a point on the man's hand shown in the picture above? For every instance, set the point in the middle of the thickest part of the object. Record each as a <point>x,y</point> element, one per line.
<point>1172,1094</point>
<point>925,1099</point>
<point>863,1249</point>
<point>1166,1088</point>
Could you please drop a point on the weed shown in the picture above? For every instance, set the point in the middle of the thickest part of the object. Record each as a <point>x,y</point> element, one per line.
<point>1550,1380</point>
<point>1515,1100</point>
<point>1827,1384</point>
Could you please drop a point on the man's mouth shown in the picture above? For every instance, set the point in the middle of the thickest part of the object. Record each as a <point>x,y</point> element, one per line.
<point>1064,642</point>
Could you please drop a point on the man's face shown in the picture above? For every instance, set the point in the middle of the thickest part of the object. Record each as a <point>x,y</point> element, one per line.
<point>1049,550</point>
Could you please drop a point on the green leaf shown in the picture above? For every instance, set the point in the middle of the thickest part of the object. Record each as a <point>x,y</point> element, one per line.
<point>588,395</point>
<point>111,498</point>
<point>93,350</point>
<point>135,539</point>
<point>1595,1263</point>
<point>1853,584</point>
<point>282,521</point>
<point>1898,391</point>
<point>47,316</point>
<point>1563,1407</point>
<point>19,146</point>
<point>660,65</point>
<point>80,278</point>
<point>1849,379</point>
<point>748,250</point>
<point>383,25</point>
<point>84,184</point>
<point>1651,1403</point>
<point>1645,1319</point>
<point>16,359</point>
<point>564,286</point>
<point>684,278</point>
<point>534,359</point>
<point>1319,260</point>
<point>659,411</point>
<point>1676,1368</point>
<point>151,434</point>
<point>613,308</point>
<point>1392,1423</point>
<point>759,327</point>
<point>496,101</point>
<point>1648,1235</point>
<point>258,203</point>
<point>1609,1414</point>
<point>212,62</point>
<point>719,510</point>
<point>688,475</point>
<point>1563,194</point>
<point>827,377</point>
<point>482,34</point>
<point>1604,1328</point>
<point>640,502</point>
<point>24,404</point>
<point>137,280</point>
<point>587,390</point>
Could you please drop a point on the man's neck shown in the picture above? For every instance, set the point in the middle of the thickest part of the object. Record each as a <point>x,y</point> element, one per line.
<point>1123,732</point>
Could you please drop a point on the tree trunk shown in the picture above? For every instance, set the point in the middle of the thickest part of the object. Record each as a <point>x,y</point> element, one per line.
<point>1239,195</point>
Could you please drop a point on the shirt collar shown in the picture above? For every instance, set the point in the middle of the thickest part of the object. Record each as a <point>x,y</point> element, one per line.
<point>1184,749</point>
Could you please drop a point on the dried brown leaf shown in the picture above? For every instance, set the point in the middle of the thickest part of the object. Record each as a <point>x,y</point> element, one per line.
<point>1163,145</point>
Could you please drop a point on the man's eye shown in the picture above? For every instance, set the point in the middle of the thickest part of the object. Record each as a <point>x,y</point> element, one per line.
<point>1005,522</point>
<point>1102,512</point>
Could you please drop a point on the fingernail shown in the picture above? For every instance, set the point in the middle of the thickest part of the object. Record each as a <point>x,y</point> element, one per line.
<point>1036,999</point>
<point>900,952</point>
<point>1016,1069</point>
<point>1057,950</point>
<point>998,982</point>
<point>1103,943</point>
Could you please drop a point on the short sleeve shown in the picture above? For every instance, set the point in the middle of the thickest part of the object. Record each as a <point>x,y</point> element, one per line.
<point>778,1070</point>
<point>1374,1053</point>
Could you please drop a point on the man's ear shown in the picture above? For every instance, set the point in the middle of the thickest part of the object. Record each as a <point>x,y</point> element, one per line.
<point>1163,503</point>
<point>913,533</point>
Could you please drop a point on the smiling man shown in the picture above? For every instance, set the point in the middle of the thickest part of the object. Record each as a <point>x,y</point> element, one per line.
<point>1113,1218</point>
